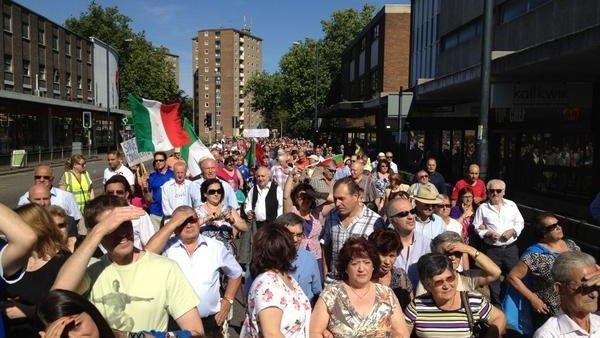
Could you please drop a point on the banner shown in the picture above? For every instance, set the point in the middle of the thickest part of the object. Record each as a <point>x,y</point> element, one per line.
<point>132,155</point>
<point>256,132</point>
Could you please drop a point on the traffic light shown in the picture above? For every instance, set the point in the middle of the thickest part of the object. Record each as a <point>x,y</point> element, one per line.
<point>87,119</point>
<point>208,120</point>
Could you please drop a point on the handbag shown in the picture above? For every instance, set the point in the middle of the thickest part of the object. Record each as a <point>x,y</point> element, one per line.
<point>478,328</point>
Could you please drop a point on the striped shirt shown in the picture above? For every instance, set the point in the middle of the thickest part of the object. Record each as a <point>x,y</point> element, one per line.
<point>430,321</point>
<point>175,195</point>
<point>334,235</point>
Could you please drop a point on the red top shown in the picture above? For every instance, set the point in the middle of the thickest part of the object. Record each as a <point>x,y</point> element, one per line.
<point>478,189</point>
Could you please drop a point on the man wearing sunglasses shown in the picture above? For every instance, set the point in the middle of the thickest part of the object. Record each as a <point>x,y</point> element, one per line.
<point>578,298</point>
<point>499,223</point>
<point>202,259</point>
<point>422,179</point>
<point>43,176</point>
<point>153,193</point>
<point>401,216</point>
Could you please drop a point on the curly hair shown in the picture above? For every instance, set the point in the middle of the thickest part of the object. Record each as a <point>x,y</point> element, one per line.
<point>357,247</point>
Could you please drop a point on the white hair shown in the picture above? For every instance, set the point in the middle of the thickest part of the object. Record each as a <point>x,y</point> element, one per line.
<point>495,181</point>
<point>567,261</point>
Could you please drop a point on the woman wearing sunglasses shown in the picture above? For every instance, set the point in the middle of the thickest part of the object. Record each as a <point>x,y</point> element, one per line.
<point>532,286</point>
<point>225,223</point>
<point>440,312</point>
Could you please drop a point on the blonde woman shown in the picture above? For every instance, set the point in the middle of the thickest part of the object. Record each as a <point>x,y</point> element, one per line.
<point>77,180</point>
<point>49,254</point>
<point>63,222</point>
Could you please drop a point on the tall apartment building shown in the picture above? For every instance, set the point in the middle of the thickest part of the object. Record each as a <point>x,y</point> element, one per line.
<point>173,60</point>
<point>223,60</point>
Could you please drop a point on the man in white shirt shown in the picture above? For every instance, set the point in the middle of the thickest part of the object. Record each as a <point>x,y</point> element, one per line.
<point>264,202</point>
<point>390,157</point>
<point>578,298</point>
<point>143,229</point>
<point>209,170</point>
<point>176,191</point>
<point>116,167</point>
<point>201,259</point>
<point>499,223</point>
<point>43,175</point>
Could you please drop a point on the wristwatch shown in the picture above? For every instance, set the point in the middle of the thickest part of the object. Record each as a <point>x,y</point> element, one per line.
<point>230,301</point>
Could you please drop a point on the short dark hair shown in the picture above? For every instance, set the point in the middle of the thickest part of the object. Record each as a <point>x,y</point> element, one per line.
<point>383,161</point>
<point>119,179</point>
<point>228,159</point>
<point>99,205</point>
<point>272,249</point>
<point>160,153</point>
<point>61,303</point>
<point>307,188</point>
<point>538,227</point>
<point>357,247</point>
<point>204,188</point>
<point>431,265</point>
<point>288,218</point>
<point>115,152</point>
<point>386,241</point>
<point>349,182</point>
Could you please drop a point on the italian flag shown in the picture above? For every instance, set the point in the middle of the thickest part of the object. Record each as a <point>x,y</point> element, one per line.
<point>157,126</point>
<point>193,151</point>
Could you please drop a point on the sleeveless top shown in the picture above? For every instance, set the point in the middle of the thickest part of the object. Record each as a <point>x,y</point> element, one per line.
<point>81,189</point>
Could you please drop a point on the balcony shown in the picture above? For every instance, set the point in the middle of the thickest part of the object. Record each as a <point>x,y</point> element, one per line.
<point>241,100</point>
<point>241,66</point>
<point>241,109</point>
<point>241,49</point>
<point>242,74</point>
<point>241,39</point>
<point>242,56</point>
<point>242,83</point>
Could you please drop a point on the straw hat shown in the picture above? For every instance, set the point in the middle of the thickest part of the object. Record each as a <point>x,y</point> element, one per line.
<point>428,194</point>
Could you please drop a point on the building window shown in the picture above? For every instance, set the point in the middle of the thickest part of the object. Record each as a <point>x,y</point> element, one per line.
<point>26,68</point>
<point>206,34</point>
<point>25,30</point>
<point>206,52</point>
<point>42,71</point>
<point>206,42</point>
<point>56,76</point>
<point>68,79</point>
<point>41,37</point>
<point>512,10</point>
<point>79,84</point>
<point>361,63</point>
<point>206,69</point>
<point>55,42</point>
<point>8,67</point>
<point>206,79</point>
<point>89,85</point>
<point>205,60</point>
<point>376,32</point>
<point>206,96</point>
<point>7,22</point>
<point>89,56</point>
<point>206,87</point>
<point>68,48</point>
<point>78,53</point>
<point>375,82</point>
<point>206,104</point>
<point>462,34</point>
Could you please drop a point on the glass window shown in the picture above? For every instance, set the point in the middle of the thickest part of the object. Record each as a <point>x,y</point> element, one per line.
<point>7,24</point>
<point>79,83</point>
<point>67,48</point>
<point>512,10</point>
<point>56,76</point>
<point>55,42</point>
<point>25,30</point>
<point>89,85</point>
<point>8,68</point>
<point>78,53</point>
<point>352,70</point>
<point>374,53</point>
<point>42,72</point>
<point>68,76</point>
<point>41,36</point>
<point>26,68</point>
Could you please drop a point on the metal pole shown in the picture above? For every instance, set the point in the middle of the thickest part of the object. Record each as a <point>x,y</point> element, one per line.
<point>486,60</point>
<point>214,121</point>
<point>108,134</point>
<point>316,87</point>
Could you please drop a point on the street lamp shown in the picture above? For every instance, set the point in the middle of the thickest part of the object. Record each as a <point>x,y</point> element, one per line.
<point>315,121</point>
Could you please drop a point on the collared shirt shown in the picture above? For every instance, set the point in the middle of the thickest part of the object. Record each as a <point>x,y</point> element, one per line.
<point>322,185</point>
<point>61,198</point>
<point>175,195</point>
<point>230,199</point>
<point>487,217</point>
<point>143,230</point>
<point>155,183</point>
<point>419,246</point>
<point>394,167</point>
<point>202,269</point>
<point>334,235</point>
<point>123,171</point>
<point>367,184</point>
<point>279,174</point>
<point>562,326</point>
<point>260,210</point>
<point>432,227</point>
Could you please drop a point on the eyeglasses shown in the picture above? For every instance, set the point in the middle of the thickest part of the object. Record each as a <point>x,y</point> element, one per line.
<point>331,170</point>
<point>389,157</point>
<point>441,206</point>
<point>496,191</point>
<point>159,160</point>
<point>39,177</point>
<point>467,196</point>
<point>441,282</point>
<point>552,227</point>
<point>423,176</point>
<point>403,214</point>
<point>214,191</point>
<point>115,192</point>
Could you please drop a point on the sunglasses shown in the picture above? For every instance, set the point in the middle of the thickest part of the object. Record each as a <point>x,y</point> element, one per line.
<point>497,191</point>
<point>552,227</point>
<point>389,157</point>
<point>115,192</point>
<point>441,282</point>
<point>423,176</point>
<point>159,160</point>
<point>581,288</point>
<point>39,177</point>
<point>442,206</point>
<point>403,214</point>
<point>214,191</point>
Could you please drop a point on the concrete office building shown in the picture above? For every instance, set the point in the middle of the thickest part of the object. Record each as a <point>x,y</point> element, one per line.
<point>223,60</point>
<point>47,84</point>
<point>173,60</point>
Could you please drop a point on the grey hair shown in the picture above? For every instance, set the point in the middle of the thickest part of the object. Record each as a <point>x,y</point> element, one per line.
<point>444,237</point>
<point>496,181</point>
<point>431,265</point>
<point>567,261</point>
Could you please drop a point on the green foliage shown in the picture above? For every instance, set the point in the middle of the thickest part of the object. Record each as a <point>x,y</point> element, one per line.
<point>144,69</point>
<point>288,96</point>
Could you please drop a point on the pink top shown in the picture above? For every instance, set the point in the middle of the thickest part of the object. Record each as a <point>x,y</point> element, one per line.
<point>311,242</point>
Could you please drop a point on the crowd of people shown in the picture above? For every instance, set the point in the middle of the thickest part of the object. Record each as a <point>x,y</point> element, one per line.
<point>311,241</point>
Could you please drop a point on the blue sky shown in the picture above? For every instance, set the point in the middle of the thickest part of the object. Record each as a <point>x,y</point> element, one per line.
<point>173,23</point>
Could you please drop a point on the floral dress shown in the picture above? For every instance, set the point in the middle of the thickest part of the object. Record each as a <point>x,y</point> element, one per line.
<point>220,230</point>
<point>269,290</point>
<point>345,322</point>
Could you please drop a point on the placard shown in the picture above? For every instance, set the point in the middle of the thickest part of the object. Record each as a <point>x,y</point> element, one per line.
<point>256,132</point>
<point>132,155</point>
<point>17,159</point>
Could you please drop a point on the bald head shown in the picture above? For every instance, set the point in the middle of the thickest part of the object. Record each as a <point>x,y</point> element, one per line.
<point>263,176</point>
<point>208,167</point>
<point>356,169</point>
<point>473,173</point>
<point>39,194</point>
<point>401,217</point>
<point>43,174</point>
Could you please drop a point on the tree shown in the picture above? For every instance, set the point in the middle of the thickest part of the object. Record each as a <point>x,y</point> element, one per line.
<point>143,68</point>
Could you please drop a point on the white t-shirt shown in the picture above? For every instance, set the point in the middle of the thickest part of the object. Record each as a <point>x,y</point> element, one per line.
<point>123,170</point>
<point>453,225</point>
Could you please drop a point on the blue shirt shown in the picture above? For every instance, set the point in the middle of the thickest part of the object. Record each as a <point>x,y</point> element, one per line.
<point>244,171</point>
<point>432,228</point>
<point>342,172</point>
<point>155,182</point>
<point>306,274</point>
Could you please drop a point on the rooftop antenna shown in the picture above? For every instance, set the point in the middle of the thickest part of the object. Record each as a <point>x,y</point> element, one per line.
<point>246,27</point>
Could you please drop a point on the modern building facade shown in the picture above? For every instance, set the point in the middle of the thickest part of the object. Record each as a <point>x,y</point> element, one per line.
<point>544,130</point>
<point>223,61</point>
<point>375,68</point>
<point>106,72</point>
<point>47,83</point>
<point>173,60</point>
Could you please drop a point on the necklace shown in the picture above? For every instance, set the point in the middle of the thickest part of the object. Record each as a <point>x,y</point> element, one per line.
<point>356,293</point>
